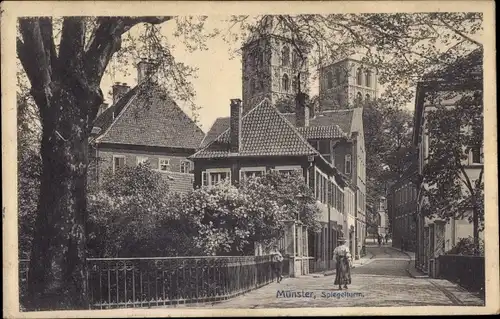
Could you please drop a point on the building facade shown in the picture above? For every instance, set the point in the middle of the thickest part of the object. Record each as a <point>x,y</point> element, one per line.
<point>402,207</point>
<point>144,125</point>
<point>263,140</point>
<point>436,236</point>
<point>273,66</point>
<point>347,83</point>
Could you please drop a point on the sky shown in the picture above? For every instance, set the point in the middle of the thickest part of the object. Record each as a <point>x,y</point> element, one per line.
<point>219,76</point>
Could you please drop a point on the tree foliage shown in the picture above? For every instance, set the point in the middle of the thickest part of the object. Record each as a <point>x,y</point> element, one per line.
<point>455,188</point>
<point>388,142</point>
<point>131,215</point>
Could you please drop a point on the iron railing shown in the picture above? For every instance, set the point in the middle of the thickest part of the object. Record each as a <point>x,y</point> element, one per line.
<point>467,271</point>
<point>152,282</point>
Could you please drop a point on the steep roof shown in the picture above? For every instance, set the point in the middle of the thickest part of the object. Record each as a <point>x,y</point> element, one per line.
<point>341,118</point>
<point>146,115</point>
<point>220,125</point>
<point>264,132</point>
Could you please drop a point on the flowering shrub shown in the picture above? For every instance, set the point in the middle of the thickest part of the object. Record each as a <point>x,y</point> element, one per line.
<point>465,246</point>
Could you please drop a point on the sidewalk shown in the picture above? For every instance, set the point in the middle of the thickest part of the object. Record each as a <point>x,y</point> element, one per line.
<point>411,270</point>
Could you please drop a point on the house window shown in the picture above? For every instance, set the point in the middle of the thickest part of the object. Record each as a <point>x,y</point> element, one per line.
<point>204,179</point>
<point>247,172</point>
<point>185,166</point>
<point>215,176</point>
<point>142,160</point>
<point>329,80</point>
<point>164,164</point>
<point>475,155</point>
<point>359,77</point>
<point>118,162</point>
<point>285,83</point>
<point>288,169</point>
<point>347,164</point>
<point>285,56</point>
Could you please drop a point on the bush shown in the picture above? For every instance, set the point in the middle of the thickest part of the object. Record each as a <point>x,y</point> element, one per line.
<point>465,246</point>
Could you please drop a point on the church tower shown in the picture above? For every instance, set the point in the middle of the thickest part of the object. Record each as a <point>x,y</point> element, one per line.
<point>272,66</point>
<point>346,84</point>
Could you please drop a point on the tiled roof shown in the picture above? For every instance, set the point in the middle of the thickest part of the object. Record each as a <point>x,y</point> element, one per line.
<point>342,118</point>
<point>220,125</point>
<point>313,132</point>
<point>264,132</point>
<point>179,182</point>
<point>148,116</point>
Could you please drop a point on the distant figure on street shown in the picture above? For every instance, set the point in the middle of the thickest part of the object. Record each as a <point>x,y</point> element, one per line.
<point>386,238</point>
<point>343,260</point>
<point>277,262</point>
<point>379,240</point>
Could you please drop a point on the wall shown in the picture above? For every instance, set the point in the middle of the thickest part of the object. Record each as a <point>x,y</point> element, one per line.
<point>105,155</point>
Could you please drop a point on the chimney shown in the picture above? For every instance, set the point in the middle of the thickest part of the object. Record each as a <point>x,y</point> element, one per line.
<point>119,90</point>
<point>146,70</point>
<point>235,125</point>
<point>301,110</point>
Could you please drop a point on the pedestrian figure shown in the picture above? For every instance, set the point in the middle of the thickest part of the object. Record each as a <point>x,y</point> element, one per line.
<point>386,238</point>
<point>379,240</point>
<point>343,260</point>
<point>277,263</point>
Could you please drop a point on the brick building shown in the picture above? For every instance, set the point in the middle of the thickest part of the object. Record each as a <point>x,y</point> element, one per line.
<point>402,207</point>
<point>263,139</point>
<point>145,125</point>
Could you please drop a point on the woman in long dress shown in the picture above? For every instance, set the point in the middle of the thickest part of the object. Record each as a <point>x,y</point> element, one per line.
<point>342,256</point>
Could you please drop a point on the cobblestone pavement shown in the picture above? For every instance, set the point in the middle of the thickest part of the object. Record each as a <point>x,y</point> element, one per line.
<point>380,283</point>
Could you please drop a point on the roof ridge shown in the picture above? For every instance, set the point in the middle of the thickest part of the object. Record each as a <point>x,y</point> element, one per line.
<point>113,122</point>
<point>295,130</point>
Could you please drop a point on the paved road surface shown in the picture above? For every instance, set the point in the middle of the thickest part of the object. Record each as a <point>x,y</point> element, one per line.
<point>381,282</point>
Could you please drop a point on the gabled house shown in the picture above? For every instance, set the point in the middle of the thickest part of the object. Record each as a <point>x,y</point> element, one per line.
<point>144,124</point>
<point>263,139</point>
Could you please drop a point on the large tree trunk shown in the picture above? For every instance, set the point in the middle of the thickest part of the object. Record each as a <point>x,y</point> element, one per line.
<point>57,273</point>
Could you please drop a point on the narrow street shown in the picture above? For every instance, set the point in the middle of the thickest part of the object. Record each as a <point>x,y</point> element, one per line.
<point>379,282</point>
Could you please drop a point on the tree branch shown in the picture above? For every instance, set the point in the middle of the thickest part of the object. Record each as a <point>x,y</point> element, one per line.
<point>107,41</point>
<point>460,33</point>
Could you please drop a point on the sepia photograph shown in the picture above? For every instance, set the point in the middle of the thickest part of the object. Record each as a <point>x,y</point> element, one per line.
<point>178,160</point>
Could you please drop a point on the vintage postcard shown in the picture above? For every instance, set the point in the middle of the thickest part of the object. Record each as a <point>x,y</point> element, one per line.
<point>164,159</point>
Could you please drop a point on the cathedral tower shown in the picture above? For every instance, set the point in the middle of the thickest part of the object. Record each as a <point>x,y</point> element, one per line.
<point>271,66</point>
<point>347,83</point>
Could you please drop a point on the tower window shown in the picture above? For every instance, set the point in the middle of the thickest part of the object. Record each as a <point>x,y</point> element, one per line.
<point>337,76</point>
<point>295,59</point>
<point>359,77</point>
<point>329,80</point>
<point>285,83</point>
<point>368,78</point>
<point>359,97</point>
<point>285,56</point>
